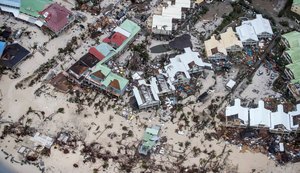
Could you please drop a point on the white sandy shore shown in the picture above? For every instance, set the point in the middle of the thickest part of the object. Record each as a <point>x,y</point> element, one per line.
<point>16,103</point>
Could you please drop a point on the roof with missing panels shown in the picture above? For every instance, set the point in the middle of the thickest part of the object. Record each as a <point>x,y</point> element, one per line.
<point>56,17</point>
<point>112,77</point>
<point>13,54</point>
<point>280,118</point>
<point>33,7</point>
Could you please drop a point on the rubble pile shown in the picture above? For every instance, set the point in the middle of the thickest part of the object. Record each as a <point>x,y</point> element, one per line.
<point>92,7</point>
<point>282,148</point>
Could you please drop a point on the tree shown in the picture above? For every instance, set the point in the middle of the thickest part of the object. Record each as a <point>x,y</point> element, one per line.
<point>61,110</point>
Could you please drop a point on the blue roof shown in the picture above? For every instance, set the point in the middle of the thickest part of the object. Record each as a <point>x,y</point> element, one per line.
<point>13,54</point>
<point>2,47</point>
<point>14,3</point>
<point>104,48</point>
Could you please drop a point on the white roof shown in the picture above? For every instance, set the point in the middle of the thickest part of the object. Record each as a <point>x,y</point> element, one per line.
<point>183,3</point>
<point>162,22</point>
<point>190,56</point>
<point>237,109</point>
<point>260,115</point>
<point>260,25</point>
<point>14,11</point>
<point>246,32</point>
<point>30,19</point>
<point>230,83</point>
<point>280,117</point>
<point>293,115</point>
<point>122,31</point>
<point>180,63</point>
<point>172,11</point>
<point>137,95</point>
<point>165,85</point>
<point>45,141</point>
<point>149,95</point>
<point>136,76</point>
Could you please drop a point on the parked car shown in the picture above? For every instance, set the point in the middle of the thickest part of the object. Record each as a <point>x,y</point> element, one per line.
<point>260,73</point>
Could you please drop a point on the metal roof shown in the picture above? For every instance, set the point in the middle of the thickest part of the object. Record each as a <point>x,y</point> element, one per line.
<point>13,3</point>
<point>239,110</point>
<point>293,38</point>
<point>246,32</point>
<point>280,117</point>
<point>33,7</point>
<point>2,47</point>
<point>260,115</point>
<point>56,17</point>
<point>162,22</point>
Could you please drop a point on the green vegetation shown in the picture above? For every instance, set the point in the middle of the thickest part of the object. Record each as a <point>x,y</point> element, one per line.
<point>142,52</point>
<point>235,14</point>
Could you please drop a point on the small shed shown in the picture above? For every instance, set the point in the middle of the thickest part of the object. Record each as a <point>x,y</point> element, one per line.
<point>231,83</point>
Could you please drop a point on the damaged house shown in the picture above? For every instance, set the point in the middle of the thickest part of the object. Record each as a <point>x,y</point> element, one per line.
<point>183,65</point>
<point>146,95</point>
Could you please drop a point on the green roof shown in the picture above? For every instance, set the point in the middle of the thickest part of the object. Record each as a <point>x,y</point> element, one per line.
<point>112,76</point>
<point>33,7</point>
<point>295,68</point>
<point>294,53</point>
<point>296,2</point>
<point>130,27</point>
<point>293,38</point>
<point>99,67</point>
<point>152,131</point>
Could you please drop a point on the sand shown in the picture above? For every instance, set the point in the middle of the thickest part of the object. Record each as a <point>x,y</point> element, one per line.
<point>16,102</point>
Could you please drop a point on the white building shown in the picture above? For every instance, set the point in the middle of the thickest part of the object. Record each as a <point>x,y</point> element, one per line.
<point>261,26</point>
<point>177,72</point>
<point>295,118</point>
<point>230,84</point>
<point>183,65</point>
<point>260,116</point>
<point>11,6</point>
<point>162,25</point>
<point>237,114</point>
<point>145,95</point>
<point>162,85</point>
<point>247,35</point>
<point>280,121</point>
<point>252,30</point>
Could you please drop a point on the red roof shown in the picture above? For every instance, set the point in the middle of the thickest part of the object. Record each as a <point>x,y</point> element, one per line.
<point>117,39</point>
<point>96,53</point>
<point>56,17</point>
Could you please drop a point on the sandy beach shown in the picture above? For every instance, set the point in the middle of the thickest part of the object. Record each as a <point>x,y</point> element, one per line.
<point>107,129</point>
